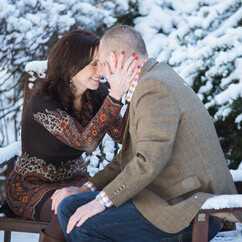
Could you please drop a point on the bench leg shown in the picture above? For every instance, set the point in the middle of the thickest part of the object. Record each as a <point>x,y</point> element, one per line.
<point>200,228</point>
<point>7,236</point>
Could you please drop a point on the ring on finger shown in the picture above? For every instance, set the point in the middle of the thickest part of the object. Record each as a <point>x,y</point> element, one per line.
<point>130,73</point>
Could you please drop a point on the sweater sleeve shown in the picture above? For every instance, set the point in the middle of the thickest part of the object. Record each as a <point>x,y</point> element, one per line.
<point>116,129</point>
<point>67,129</point>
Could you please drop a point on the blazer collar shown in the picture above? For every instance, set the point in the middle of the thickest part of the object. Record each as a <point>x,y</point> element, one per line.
<point>149,64</point>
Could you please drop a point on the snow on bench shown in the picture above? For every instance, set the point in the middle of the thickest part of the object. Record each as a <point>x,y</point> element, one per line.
<point>223,201</point>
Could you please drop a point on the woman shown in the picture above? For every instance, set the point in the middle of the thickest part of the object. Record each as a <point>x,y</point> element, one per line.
<point>68,114</point>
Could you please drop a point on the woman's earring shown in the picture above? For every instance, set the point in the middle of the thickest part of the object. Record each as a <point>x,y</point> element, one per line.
<point>70,83</point>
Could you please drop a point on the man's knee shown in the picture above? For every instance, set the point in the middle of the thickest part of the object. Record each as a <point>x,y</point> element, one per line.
<point>64,206</point>
<point>69,204</point>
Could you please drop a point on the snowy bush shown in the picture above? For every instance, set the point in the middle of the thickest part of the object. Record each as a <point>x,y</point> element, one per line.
<point>28,30</point>
<point>202,41</point>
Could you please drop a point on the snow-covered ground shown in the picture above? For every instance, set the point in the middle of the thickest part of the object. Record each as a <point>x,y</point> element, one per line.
<point>231,236</point>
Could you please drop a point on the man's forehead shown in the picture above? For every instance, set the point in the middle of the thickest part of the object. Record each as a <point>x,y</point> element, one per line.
<point>101,52</point>
<point>101,47</point>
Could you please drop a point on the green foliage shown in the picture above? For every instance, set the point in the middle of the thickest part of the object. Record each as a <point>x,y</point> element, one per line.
<point>128,17</point>
<point>230,133</point>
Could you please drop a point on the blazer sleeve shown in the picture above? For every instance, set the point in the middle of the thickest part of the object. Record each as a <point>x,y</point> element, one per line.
<point>156,121</point>
<point>50,115</point>
<point>105,176</point>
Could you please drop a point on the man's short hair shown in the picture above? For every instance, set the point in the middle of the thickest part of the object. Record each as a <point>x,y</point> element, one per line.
<point>124,37</point>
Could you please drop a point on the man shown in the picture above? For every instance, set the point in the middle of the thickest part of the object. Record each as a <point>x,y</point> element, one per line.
<point>170,163</point>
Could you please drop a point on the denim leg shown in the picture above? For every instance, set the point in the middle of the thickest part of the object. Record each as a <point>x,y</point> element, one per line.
<point>123,223</point>
<point>68,206</point>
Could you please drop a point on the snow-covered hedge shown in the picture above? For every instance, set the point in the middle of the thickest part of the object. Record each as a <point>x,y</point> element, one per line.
<point>28,30</point>
<point>202,40</point>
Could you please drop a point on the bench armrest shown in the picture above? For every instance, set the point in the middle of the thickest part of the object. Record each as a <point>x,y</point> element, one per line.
<point>201,222</point>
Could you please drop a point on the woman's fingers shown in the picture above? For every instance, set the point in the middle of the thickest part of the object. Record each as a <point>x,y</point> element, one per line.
<point>129,61</point>
<point>53,198</point>
<point>133,66</point>
<point>120,61</point>
<point>120,77</point>
<point>56,198</point>
<point>56,205</point>
<point>54,194</point>
<point>129,81</point>
<point>60,194</point>
<point>134,74</point>
<point>52,204</point>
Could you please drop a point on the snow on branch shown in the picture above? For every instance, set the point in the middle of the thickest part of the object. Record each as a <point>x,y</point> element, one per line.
<point>37,66</point>
<point>237,175</point>
<point>10,151</point>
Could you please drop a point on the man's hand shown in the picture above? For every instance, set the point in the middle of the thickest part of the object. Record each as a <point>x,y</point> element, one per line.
<point>60,194</point>
<point>83,213</point>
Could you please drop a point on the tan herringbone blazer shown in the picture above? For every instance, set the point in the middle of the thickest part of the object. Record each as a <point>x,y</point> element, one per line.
<point>171,160</point>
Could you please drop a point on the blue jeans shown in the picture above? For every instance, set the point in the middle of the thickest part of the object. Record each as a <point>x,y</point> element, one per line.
<point>123,224</point>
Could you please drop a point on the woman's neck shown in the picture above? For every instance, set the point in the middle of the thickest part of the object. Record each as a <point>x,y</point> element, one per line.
<point>77,101</point>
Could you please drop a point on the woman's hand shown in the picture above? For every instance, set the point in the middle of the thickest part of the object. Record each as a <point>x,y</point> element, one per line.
<point>121,75</point>
<point>60,194</point>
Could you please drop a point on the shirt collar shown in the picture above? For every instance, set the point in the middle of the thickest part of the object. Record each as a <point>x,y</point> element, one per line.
<point>134,84</point>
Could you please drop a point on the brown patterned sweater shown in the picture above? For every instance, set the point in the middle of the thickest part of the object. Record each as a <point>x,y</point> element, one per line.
<point>52,144</point>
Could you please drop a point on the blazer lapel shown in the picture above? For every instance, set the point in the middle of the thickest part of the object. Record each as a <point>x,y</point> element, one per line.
<point>126,128</point>
<point>150,63</point>
<point>125,151</point>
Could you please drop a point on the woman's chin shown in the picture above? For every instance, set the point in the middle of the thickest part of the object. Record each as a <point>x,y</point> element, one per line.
<point>94,87</point>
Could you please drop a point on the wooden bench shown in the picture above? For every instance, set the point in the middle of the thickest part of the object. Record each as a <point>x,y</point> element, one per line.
<point>8,224</point>
<point>19,225</point>
<point>201,221</point>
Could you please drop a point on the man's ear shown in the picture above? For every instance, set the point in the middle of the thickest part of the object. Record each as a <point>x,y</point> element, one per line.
<point>113,60</point>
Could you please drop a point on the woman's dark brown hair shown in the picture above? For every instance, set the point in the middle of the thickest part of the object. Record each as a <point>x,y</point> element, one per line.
<point>70,54</point>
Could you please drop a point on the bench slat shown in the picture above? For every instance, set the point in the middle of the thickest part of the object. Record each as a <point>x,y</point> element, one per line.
<point>21,225</point>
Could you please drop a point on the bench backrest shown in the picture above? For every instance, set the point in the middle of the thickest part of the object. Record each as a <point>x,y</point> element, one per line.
<point>31,81</point>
